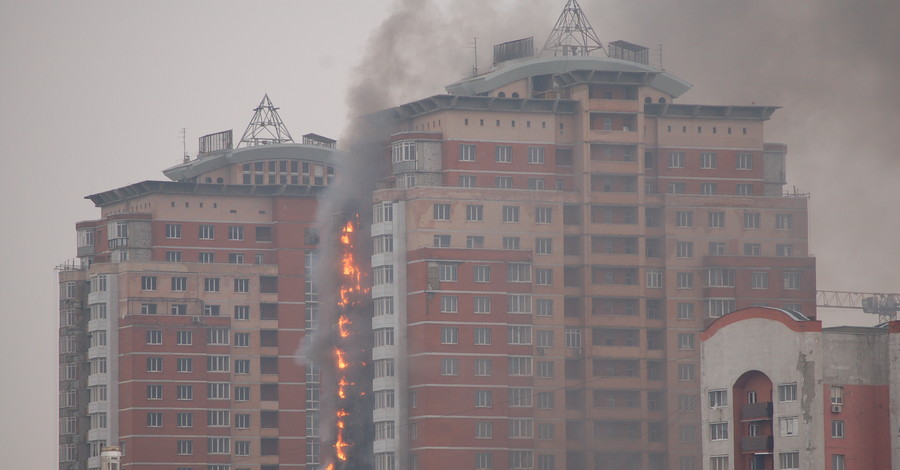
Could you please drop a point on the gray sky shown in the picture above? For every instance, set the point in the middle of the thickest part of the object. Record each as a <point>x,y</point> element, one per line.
<point>94,95</point>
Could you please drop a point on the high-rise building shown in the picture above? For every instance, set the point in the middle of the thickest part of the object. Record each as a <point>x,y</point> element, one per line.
<point>780,391</point>
<point>553,237</point>
<point>550,240</point>
<point>180,324</point>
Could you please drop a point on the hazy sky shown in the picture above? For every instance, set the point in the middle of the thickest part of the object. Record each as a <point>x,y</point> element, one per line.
<point>95,93</point>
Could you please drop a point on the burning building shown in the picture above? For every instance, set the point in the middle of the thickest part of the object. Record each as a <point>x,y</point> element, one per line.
<point>181,324</point>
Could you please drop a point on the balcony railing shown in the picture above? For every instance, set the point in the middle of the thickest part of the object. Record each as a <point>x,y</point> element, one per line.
<point>757,444</point>
<point>756,411</point>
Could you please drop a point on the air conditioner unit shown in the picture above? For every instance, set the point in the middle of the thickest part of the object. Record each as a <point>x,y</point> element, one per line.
<point>195,319</point>
<point>540,351</point>
<point>836,408</point>
<point>577,351</point>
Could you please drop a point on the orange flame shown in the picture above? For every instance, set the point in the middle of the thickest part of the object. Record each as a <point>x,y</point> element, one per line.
<point>340,444</point>
<point>342,326</point>
<point>341,362</point>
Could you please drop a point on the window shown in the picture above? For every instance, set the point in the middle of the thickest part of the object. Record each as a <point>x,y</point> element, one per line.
<point>173,230</point>
<point>520,397</point>
<point>744,189</point>
<point>483,367</point>
<point>676,160</point>
<point>207,232</point>
<point>383,212</point>
<point>173,256</point>
<point>481,273</point>
<point>784,250</point>
<point>184,337</point>
<point>219,391</point>
<point>466,152</point>
<point>236,258</point>
<point>518,272</point>
<point>467,181</point>
<point>752,249</point>
<point>484,399</point>
<point>744,161</point>
<point>684,218</point>
<point>154,392</point>
<point>211,284</point>
<point>206,257</point>
<point>441,211</point>
<point>185,364</point>
<point>241,312</point>
<point>474,241</point>
<point>543,276</point>
<point>518,303</point>
<point>449,366</point>
<point>185,420</point>
<point>684,249</point>
<point>185,447</point>
<point>449,304</point>
<point>236,232</point>
<point>482,305</point>
<point>503,182</point>
<point>510,213</point>
<point>784,221</point>
<point>720,277</point>
<point>219,445</point>
<point>716,248</point>
<point>838,462</point>
<point>218,363</point>
<point>536,183</point>
<point>719,462</point>
<point>792,281</point>
<point>686,372</point>
<point>685,280</point>
<point>154,420</point>
<point>536,155</point>
<point>383,244</point>
<point>449,335</point>
<point>685,341</point>
<point>544,307</point>
<point>545,369</point>
<point>837,429</point>
<point>685,311</point>
<point>787,392</point>
<point>403,151</point>
<point>718,398</point>
<point>510,243</point>
<point>518,334</point>
<point>708,160</point>
<point>789,460</point>
<point>442,241</point>
<point>677,188</point>
<point>154,336</point>
<point>242,366</point>
<point>573,337</point>
<point>715,308</point>
<point>544,339</point>
<point>384,336</point>
<point>760,280</point>
<point>474,212</point>
<point>448,272</point>
<point>519,365</point>
<point>654,279</point>
<point>718,431</point>
<point>503,154</point>
<point>484,461</point>
<point>837,395</point>
<point>148,282</point>
<point>543,215</point>
<point>218,418</point>
<point>788,425</point>
<point>716,219</point>
<point>240,393</point>
<point>521,428</point>
<point>383,275</point>
<point>242,285</point>
<point>484,430</point>
<point>751,219</point>
<point>154,364</point>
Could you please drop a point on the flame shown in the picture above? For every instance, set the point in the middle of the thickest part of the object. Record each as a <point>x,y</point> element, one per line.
<point>342,326</point>
<point>342,384</point>
<point>341,362</point>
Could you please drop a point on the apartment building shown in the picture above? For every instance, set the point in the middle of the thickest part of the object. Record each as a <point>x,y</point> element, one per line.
<point>781,392</point>
<point>554,236</point>
<point>181,323</point>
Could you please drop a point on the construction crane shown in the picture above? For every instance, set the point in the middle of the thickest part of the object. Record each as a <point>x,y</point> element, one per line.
<point>885,306</point>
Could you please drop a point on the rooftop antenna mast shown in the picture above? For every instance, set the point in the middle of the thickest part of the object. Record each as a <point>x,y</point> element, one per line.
<point>266,127</point>
<point>184,155</point>
<point>475,54</point>
<point>573,34</point>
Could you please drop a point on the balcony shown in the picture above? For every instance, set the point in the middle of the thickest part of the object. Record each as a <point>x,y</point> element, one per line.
<point>757,444</point>
<point>756,411</point>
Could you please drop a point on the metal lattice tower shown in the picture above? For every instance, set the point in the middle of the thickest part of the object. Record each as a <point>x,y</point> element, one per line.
<point>266,127</point>
<point>572,35</point>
